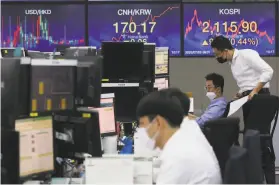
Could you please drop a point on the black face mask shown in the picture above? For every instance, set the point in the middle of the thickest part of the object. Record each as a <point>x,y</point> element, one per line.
<point>221,60</point>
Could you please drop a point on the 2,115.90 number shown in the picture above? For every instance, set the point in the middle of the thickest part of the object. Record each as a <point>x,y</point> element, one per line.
<point>131,27</point>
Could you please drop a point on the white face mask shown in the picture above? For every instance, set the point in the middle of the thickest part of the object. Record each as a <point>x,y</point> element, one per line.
<point>149,142</point>
<point>211,95</point>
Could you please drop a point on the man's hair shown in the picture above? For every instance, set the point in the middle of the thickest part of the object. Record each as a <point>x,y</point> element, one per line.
<point>182,97</point>
<point>218,80</point>
<point>221,43</point>
<point>161,103</point>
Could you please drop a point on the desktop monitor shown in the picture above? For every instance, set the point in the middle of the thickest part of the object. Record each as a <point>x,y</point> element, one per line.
<point>9,157</point>
<point>125,101</point>
<point>149,62</point>
<point>88,84</point>
<point>10,81</point>
<point>36,146</point>
<point>77,132</point>
<point>52,85</point>
<point>161,61</point>
<point>123,61</point>
<point>24,87</point>
<point>107,117</point>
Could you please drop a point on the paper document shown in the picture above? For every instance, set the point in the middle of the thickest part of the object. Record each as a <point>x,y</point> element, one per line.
<point>237,104</point>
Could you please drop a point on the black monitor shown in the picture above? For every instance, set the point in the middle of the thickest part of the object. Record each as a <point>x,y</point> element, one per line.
<point>77,132</point>
<point>126,101</point>
<point>122,61</point>
<point>81,51</point>
<point>10,80</point>
<point>88,84</point>
<point>36,147</point>
<point>24,87</point>
<point>9,157</point>
<point>149,62</point>
<point>52,85</point>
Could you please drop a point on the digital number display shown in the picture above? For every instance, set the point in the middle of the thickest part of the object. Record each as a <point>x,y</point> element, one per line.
<point>246,25</point>
<point>42,27</point>
<point>152,23</point>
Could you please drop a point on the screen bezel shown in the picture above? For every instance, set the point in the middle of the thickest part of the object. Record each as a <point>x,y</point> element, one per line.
<point>40,174</point>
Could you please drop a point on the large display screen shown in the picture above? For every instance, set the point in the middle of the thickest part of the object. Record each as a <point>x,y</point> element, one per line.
<point>247,25</point>
<point>152,23</point>
<point>42,27</point>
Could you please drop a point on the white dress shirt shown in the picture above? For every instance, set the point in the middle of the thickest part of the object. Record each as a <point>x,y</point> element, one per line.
<point>187,158</point>
<point>248,69</point>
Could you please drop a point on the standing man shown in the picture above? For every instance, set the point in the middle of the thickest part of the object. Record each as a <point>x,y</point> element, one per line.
<point>251,72</point>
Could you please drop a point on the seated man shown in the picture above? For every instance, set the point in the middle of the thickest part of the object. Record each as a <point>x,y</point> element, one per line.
<point>184,158</point>
<point>216,108</point>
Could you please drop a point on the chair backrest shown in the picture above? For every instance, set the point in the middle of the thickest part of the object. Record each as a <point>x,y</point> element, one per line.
<point>252,142</point>
<point>236,168</point>
<point>264,108</point>
<point>222,134</point>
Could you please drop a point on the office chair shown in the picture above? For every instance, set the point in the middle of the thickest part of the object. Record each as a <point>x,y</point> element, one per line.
<point>264,109</point>
<point>236,166</point>
<point>252,143</point>
<point>222,134</point>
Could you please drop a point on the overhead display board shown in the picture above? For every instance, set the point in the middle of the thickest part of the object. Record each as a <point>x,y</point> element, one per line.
<point>152,23</point>
<point>247,25</point>
<point>42,27</point>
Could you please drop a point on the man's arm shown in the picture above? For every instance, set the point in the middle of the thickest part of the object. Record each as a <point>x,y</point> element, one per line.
<point>266,72</point>
<point>214,112</point>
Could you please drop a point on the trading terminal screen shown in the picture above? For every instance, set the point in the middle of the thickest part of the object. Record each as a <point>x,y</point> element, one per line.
<point>161,60</point>
<point>36,145</point>
<point>52,87</point>
<point>106,116</point>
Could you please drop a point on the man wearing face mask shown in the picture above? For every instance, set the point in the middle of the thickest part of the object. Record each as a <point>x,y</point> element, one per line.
<point>214,86</point>
<point>251,72</point>
<point>184,159</point>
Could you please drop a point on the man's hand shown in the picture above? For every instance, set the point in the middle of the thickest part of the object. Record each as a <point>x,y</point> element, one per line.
<point>251,95</point>
<point>192,116</point>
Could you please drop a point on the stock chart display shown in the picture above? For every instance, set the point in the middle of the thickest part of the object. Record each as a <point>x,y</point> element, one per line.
<point>42,27</point>
<point>246,25</point>
<point>152,23</point>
